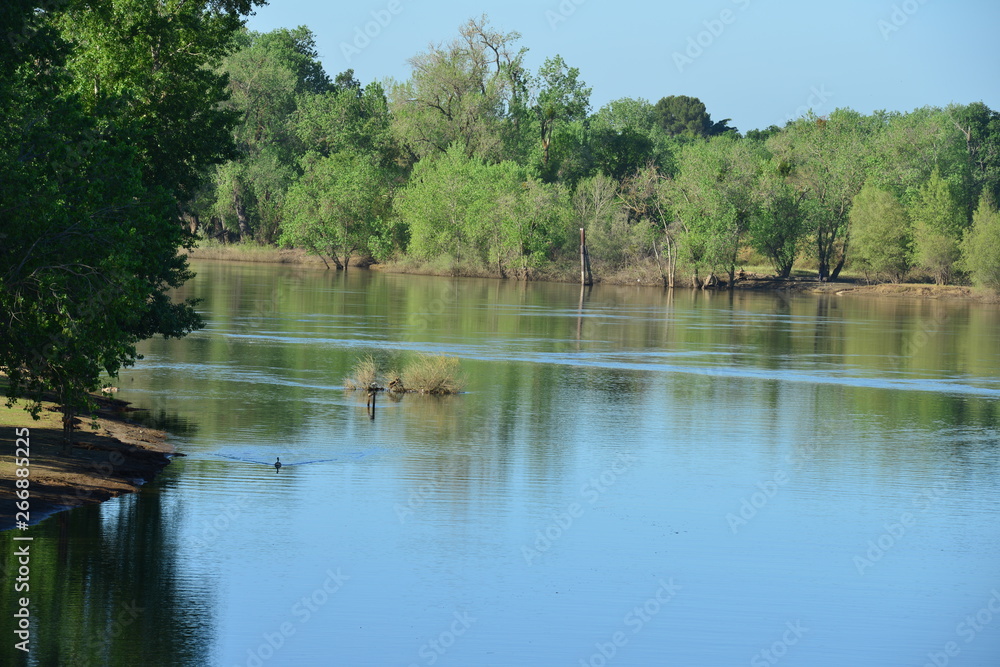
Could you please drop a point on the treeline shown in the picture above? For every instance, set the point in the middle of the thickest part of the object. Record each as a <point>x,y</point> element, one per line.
<point>477,165</point>
<point>112,111</point>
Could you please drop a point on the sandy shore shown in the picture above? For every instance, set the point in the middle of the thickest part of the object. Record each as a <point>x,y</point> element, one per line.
<point>116,458</point>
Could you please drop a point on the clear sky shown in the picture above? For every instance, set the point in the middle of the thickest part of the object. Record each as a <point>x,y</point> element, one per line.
<point>757,62</point>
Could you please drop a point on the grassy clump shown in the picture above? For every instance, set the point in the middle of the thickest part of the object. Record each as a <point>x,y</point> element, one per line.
<point>366,372</point>
<point>423,374</point>
<point>428,374</point>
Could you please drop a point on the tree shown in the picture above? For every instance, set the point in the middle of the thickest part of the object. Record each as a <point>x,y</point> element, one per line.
<point>349,118</point>
<point>339,206</point>
<point>490,217</point>
<point>680,115</point>
<point>715,197</point>
<point>461,93</point>
<point>624,137</point>
<point>107,125</point>
<point>881,234</point>
<point>561,98</point>
<point>938,223</point>
<point>980,128</point>
<point>981,244</point>
<point>778,224</point>
<point>270,75</point>
<point>828,160</point>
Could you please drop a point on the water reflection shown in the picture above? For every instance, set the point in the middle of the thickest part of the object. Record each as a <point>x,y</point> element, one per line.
<point>605,436</point>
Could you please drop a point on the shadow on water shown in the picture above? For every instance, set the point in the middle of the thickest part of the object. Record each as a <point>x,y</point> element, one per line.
<point>104,589</point>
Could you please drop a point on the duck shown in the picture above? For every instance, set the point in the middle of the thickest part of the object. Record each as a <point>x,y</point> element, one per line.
<point>277,464</point>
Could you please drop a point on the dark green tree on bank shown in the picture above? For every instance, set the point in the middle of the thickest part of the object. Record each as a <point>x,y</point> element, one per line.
<point>107,125</point>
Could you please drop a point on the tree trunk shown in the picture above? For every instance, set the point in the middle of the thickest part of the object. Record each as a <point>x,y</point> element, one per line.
<point>837,269</point>
<point>242,219</point>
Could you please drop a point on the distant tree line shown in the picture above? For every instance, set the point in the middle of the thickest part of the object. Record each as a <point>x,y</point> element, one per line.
<point>475,164</point>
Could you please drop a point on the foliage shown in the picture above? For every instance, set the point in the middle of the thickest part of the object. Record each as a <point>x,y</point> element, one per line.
<point>460,93</point>
<point>340,206</point>
<point>981,244</point>
<point>881,233</point>
<point>111,112</point>
<point>367,371</point>
<point>938,222</point>
<point>680,115</point>
<point>828,161</point>
<point>427,374</point>
<point>561,98</point>
<point>494,217</point>
<point>778,225</point>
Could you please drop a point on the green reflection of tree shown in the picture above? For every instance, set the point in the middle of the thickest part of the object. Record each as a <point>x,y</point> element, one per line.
<point>106,589</point>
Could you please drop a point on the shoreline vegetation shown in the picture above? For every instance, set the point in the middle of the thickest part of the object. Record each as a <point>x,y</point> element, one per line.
<point>803,283</point>
<point>116,458</point>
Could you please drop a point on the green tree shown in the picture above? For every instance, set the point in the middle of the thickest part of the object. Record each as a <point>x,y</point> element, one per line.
<point>981,244</point>
<point>107,124</point>
<point>778,225</point>
<point>461,93</point>
<point>561,98</point>
<point>349,118</point>
<point>980,129</point>
<point>494,218</point>
<point>828,160</point>
<point>881,234</point>
<point>938,223</point>
<point>625,137</point>
<point>680,115</point>
<point>270,75</point>
<point>715,195</point>
<point>340,206</point>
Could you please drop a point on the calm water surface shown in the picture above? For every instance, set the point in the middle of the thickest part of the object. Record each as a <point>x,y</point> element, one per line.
<point>631,478</point>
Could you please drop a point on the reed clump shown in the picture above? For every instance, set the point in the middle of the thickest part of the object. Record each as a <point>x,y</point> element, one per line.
<point>429,374</point>
<point>366,372</point>
<point>421,374</point>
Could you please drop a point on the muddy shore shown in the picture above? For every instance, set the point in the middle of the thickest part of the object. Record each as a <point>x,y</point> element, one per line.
<point>115,458</point>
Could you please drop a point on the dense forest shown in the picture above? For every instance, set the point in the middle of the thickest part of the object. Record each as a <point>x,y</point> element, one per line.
<point>132,130</point>
<point>476,165</point>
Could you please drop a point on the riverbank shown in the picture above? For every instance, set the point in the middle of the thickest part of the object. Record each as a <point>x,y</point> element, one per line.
<point>644,277</point>
<point>116,458</point>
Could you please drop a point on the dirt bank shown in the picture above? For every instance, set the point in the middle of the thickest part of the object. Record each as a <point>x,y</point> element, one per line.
<point>642,276</point>
<point>116,458</point>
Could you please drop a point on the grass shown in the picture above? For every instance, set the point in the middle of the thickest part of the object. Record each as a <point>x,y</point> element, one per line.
<point>366,372</point>
<point>422,374</point>
<point>428,374</point>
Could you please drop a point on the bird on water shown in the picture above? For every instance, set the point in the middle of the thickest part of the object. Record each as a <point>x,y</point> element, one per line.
<point>277,464</point>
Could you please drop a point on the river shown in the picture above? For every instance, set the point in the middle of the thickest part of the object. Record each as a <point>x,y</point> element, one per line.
<point>631,477</point>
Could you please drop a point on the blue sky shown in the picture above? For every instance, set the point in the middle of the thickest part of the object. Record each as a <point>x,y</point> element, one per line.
<point>756,61</point>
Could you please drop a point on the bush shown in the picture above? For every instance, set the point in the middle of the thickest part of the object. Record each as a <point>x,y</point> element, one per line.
<point>366,372</point>
<point>981,245</point>
<point>432,375</point>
